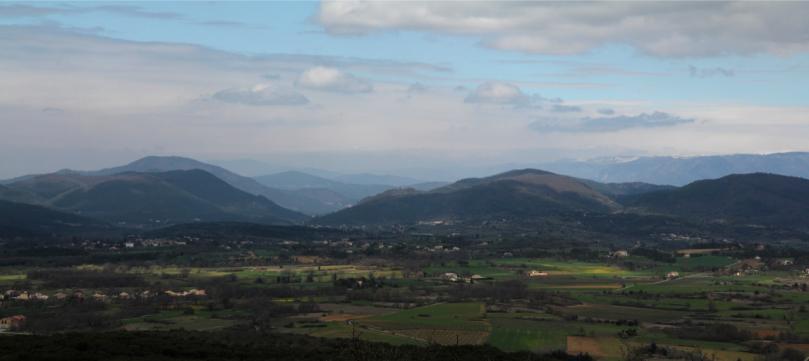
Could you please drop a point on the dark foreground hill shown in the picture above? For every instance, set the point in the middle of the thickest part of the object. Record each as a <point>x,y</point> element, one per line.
<point>519,193</point>
<point>758,198</point>
<point>152,199</point>
<point>25,220</point>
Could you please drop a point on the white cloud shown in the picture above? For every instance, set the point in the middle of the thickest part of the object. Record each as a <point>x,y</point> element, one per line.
<point>562,108</point>
<point>612,124</point>
<point>710,72</point>
<point>261,94</point>
<point>29,11</point>
<point>495,92</point>
<point>334,80</point>
<point>659,28</point>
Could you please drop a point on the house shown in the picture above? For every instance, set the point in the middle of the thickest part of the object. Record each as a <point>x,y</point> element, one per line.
<point>196,292</point>
<point>12,323</point>
<point>535,273</point>
<point>672,275</point>
<point>23,296</point>
<point>39,296</point>
<point>129,244</point>
<point>451,277</point>
<point>620,254</point>
<point>193,292</point>
<point>60,296</point>
<point>784,261</point>
<point>475,278</point>
<point>123,296</point>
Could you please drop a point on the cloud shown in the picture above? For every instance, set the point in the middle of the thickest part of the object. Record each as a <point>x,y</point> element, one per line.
<point>261,94</point>
<point>561,108</point>
<point>28,11</point>
<point>606,111</point>
<point>495,92</point>
<point>333,80</point>
<point>22,10</point>
<point>658,28</point>
<point>709,72</point>
<point>611,124</point>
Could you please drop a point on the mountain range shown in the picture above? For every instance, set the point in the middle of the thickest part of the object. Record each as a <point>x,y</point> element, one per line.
<point>756,199</point>
<point>301,192</point>
<point>680,171</point>
<point>151,199</point>
<point>158,191</point>
<point>519,193</point>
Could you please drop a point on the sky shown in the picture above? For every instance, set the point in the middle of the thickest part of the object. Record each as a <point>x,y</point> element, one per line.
<point>397,87</point>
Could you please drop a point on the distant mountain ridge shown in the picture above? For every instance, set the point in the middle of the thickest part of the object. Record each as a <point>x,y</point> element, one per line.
<point>680,171</point>
<point>294,180</point>
<point>297,201</point>
<point>757,199</point>
<point>519,193</point>
<point>298,191</point>
<point>151,199</point>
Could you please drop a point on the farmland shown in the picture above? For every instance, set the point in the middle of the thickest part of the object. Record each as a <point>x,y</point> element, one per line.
<point>720,302</point>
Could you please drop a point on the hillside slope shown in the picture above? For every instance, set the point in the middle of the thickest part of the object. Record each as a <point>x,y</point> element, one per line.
<point>335,191</point>
<point>758,198</point>
<point>151,199</point>
<point>25,220</point>
<point>297,201</point>
<point>519,194</point>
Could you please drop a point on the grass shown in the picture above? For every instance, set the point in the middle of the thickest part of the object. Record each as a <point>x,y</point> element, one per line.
<point>343,330</point>
<point>444,316</point>
<point>510,334</point>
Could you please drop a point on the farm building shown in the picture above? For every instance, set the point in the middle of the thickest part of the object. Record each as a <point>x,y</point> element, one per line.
<point>672,275</point>
<point>451,277</point>
<point>620,254</point>
<point>12,323</point>
<point>535,273</point>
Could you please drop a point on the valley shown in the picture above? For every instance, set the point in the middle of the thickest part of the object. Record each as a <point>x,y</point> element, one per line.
<point>522,262</point>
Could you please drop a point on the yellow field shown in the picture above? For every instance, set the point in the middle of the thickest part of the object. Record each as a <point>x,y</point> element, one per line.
<point>598,347</point>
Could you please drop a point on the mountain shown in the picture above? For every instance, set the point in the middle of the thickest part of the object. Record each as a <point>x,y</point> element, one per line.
<point>15,195</point>
<point>523,193</point>
<point>372,179</point>
<point>617,190</point>
<point>149,199</point>
<point>26,220</point>
<point>296,180</point>
<point>757,199</point>
<point>683,170</point>
<point>304,182</point>
<point>298,201</point>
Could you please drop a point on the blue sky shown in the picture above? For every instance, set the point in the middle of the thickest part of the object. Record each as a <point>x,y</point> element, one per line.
<point>546,72</point>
